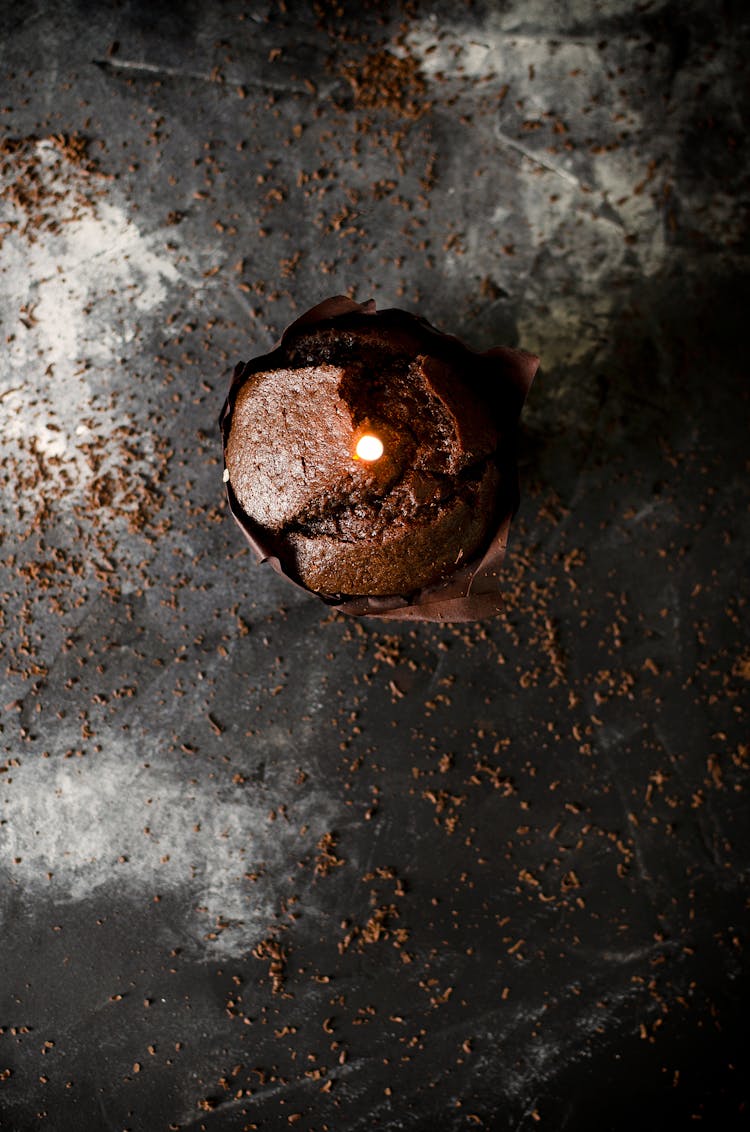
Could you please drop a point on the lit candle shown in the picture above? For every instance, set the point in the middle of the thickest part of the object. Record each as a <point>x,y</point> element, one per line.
<point>369,448</point>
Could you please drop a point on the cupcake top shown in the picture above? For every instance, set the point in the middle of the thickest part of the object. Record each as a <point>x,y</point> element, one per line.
<point>370,456</point>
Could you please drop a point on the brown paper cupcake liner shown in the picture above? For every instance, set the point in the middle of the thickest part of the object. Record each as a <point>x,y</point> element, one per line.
<point>504,376</point>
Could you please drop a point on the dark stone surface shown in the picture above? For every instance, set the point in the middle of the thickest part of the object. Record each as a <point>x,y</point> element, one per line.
<point>483,876</point>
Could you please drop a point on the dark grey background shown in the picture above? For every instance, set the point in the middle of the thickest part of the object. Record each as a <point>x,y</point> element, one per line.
<point>531,908</point>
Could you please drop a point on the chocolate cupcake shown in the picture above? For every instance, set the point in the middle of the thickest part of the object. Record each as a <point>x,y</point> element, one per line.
<point>372,460</point>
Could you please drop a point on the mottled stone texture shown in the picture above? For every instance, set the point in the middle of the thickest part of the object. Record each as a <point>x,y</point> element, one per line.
<point>265,866</point>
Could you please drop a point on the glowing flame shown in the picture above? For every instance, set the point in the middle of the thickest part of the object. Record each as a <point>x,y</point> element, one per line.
<point>369,447</point>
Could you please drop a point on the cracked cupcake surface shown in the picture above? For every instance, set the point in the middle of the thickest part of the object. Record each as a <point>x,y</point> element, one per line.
<point>428,501</point>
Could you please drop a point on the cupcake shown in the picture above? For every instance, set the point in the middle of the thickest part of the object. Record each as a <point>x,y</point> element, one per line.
<point>371,459</point>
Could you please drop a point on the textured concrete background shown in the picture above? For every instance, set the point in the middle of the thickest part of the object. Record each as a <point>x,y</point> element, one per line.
<point>265,866</point>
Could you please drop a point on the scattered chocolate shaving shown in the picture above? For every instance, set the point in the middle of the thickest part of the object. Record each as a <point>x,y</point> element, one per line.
<point>271,950</point>
<point>47,181</point>
<point>327,858</point>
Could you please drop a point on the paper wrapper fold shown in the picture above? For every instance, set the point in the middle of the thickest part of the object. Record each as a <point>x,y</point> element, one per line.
<point>502,375</point>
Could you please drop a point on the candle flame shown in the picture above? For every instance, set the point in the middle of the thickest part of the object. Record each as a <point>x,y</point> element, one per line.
<point>369,447</point>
